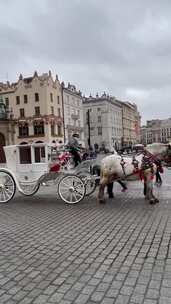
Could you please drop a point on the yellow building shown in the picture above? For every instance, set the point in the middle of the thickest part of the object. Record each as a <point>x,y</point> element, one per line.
<point>35,106</point>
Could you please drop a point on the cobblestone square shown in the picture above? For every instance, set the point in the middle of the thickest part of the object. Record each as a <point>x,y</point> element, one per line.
<point>120,252</point>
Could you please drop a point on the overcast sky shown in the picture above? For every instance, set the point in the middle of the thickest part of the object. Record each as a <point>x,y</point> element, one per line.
<point>122,47</point>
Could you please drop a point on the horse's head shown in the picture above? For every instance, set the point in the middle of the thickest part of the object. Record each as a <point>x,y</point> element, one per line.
<point>162,151</point>
<point>157,149</point>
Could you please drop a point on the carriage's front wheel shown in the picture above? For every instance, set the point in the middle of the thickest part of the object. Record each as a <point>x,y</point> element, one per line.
<point>7,186</point>
<point>71,189</point>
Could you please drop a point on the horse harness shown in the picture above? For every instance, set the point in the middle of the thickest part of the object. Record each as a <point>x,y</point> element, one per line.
<point>147,163</point>
<point>135,163</point>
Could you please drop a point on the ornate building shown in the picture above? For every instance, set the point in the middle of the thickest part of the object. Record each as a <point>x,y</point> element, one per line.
<point>35,104</point>
<point>73,112</point>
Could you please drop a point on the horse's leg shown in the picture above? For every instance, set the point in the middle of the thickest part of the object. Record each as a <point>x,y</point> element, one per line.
<point>151,197</point>
<point>149,186</point>
<point>124,187</point>
<point>156,200</point>
<point>103,183</point>
<point>110,190</point>
<point>101,199</point>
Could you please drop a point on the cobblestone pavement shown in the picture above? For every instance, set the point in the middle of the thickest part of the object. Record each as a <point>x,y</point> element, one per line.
<point>51,252</point>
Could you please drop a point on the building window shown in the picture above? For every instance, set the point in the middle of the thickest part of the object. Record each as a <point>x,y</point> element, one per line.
<point>98,109</point>
<point>59,112</point>
<point>7,102</point>
<point>17,99</point>
<point>25,99</point>
<point>99,119</point>
<point>58,100</point>
<point>52,130</point>
<point>22,114</point>
<point>51,97</point>
<point>37,111</point>
<point>59,130</point>
<point>36,96</point>
<point>99,130</point>
<point>52,110</point>
<point>39,128</point>
<point>24,130</point>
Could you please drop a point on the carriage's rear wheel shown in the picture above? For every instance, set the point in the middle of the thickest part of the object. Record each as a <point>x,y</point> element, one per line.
<point>7,186</point>
<point>71,189</point>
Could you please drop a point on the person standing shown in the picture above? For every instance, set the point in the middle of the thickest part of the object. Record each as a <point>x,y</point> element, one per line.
<point>74,148</point>
<point>159,170</point>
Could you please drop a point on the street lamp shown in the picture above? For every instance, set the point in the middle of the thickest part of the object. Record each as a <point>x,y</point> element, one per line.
<point>88,124</point>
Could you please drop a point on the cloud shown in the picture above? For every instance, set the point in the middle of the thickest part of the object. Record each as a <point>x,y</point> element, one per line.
<point>123,47</point>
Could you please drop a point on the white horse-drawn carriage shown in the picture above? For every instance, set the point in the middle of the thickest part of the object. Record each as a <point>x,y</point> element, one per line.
<point>30,166</point>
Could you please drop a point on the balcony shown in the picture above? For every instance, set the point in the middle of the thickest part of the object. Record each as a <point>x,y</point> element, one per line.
<point>31,136</point>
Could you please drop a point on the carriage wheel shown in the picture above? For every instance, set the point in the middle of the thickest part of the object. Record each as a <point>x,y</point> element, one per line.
<point>71,189</point>
<point>7,186</point>
<point>89,182</point>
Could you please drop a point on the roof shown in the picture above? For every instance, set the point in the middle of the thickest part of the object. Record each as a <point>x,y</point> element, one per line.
<point>28,79</point>
<point>110,100</point>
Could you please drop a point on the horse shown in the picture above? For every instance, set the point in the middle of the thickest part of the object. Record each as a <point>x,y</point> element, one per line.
<point>115,167</point>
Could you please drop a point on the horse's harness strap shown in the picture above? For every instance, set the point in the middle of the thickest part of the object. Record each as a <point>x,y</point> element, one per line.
<point>135,163</point>
<point>123,166</point>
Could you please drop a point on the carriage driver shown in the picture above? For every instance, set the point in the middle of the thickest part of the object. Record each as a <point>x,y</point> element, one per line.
<point>74,148</point>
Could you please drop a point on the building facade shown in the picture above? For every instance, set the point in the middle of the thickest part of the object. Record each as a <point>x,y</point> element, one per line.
<point>105,121</point>
<point>35,105</point>
<point>156,130</point>
<point>73,112</point>
<point>131,122</point>
<point>6,129</point>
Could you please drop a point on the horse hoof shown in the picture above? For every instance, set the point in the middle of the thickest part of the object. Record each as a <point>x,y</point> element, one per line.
<point>102,202</point>
<point>156,200</point>
<point>152,202</point>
